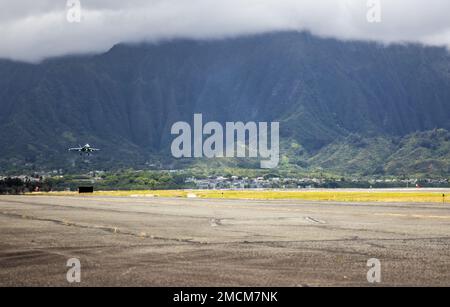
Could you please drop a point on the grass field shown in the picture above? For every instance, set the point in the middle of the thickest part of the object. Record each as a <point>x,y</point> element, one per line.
<point>412,196</point>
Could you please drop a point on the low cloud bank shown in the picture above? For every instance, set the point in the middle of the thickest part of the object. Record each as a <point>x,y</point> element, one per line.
<point>34,30</point>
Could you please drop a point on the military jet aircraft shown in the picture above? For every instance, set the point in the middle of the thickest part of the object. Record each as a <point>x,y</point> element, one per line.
<point>86,149</point>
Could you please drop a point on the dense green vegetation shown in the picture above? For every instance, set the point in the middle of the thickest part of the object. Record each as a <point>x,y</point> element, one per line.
<point>124,180</point>
<point>162,180</point>
<point>421,154</point>
<point>345,108</point>
<point>19,186</point>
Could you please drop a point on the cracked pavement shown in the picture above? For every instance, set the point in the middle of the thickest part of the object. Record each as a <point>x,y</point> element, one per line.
<point>200,242</point>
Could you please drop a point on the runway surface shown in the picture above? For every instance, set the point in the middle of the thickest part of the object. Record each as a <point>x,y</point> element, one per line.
<point>198,242</point>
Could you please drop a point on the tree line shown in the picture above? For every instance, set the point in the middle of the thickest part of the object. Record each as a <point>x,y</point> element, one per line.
<point>14,186</point>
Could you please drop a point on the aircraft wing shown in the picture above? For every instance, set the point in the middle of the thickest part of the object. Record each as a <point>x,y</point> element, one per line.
<point>95,149</point>
<point>75,149</point>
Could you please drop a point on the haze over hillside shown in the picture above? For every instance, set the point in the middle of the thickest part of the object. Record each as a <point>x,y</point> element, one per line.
<point>336,101</point>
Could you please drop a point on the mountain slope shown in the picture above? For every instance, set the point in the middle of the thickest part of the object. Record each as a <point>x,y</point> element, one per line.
<point>125,100</point>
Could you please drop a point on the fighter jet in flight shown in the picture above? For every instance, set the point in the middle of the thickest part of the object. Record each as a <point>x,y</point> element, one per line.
<point>86,149</point>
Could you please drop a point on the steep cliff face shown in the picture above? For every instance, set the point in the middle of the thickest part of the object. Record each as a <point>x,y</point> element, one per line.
<point>126,99</point>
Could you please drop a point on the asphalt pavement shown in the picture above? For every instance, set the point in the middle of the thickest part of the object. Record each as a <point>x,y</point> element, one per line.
<point>124,241</point>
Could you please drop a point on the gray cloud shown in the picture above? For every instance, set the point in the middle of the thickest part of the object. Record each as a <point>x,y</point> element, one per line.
<point>33,30</point>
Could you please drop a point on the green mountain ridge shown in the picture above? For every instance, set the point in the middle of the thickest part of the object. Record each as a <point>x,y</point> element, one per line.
<point>417,154</point>
<point>345,107</point>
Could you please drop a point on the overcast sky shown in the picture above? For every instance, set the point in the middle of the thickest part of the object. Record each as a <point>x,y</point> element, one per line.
<point>31,30</point>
